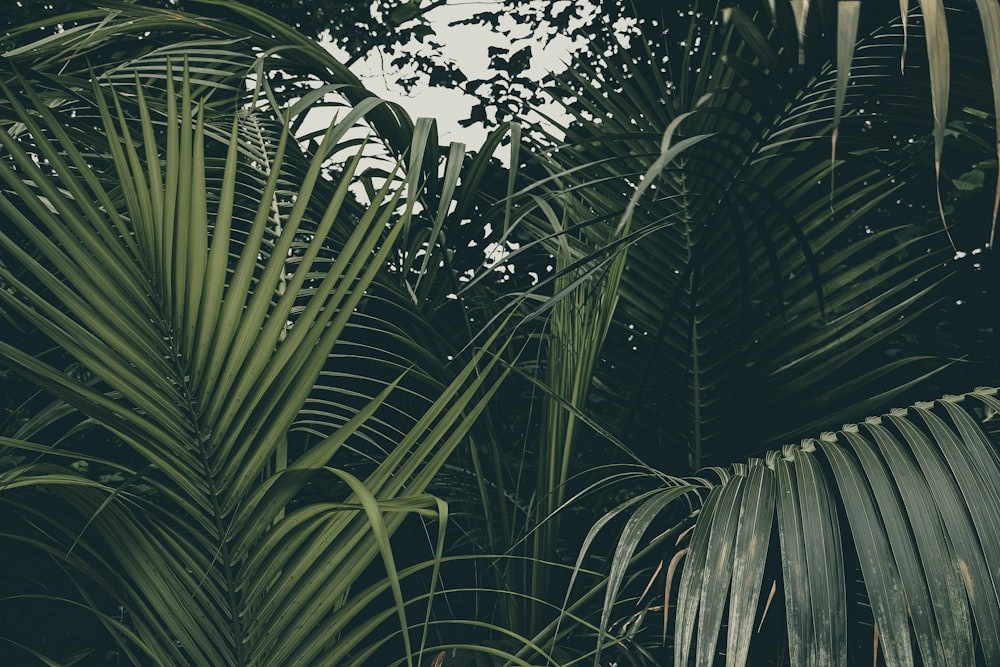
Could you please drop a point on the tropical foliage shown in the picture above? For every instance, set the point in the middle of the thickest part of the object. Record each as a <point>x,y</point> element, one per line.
<point>346,397</point>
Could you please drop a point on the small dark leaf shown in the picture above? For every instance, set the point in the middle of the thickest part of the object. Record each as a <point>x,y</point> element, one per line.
<point>520,61</point>
<point>403,13</point>
<point>969,181</point>
<point>477,115</point>
<point>421,31</point>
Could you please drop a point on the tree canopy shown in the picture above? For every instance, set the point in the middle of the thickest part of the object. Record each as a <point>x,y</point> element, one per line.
<point>353,397</point>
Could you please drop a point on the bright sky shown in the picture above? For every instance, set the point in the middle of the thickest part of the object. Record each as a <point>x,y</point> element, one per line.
<point>466,45</point>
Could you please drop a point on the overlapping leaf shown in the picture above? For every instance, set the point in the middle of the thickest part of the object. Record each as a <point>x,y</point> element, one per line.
<point>203,286</point>
<point>916,486</point>
<point>736,273</point>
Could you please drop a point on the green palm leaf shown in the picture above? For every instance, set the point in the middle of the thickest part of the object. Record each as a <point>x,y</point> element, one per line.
<point>735,258</point>
<point>205,302</point>
<point>923,546</point>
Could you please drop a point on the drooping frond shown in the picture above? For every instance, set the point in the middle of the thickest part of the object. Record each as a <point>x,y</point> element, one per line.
<point>907,498</point>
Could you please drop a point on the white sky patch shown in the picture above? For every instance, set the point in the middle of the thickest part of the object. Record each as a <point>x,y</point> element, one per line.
<point>466,45</point>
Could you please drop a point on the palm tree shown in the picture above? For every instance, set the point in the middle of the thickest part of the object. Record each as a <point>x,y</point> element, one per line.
<point>246,407</point>
<point>258,372</point>
<point>742,300</point>
<point>717,293</point>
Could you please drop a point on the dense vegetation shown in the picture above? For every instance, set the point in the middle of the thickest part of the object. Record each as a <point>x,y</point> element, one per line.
<point>350,397</point>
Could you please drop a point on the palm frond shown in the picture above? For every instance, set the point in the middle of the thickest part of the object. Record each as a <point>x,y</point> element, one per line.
<point>736,257</point>
<point>917,487</point>
<point>203,302</point>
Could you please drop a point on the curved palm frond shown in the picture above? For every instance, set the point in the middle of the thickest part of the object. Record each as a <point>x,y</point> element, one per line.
<point>918,490</point>
<point>744,267</point>
<point>202,304</point>
<point>715,292</point>
<point>831,21</point>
